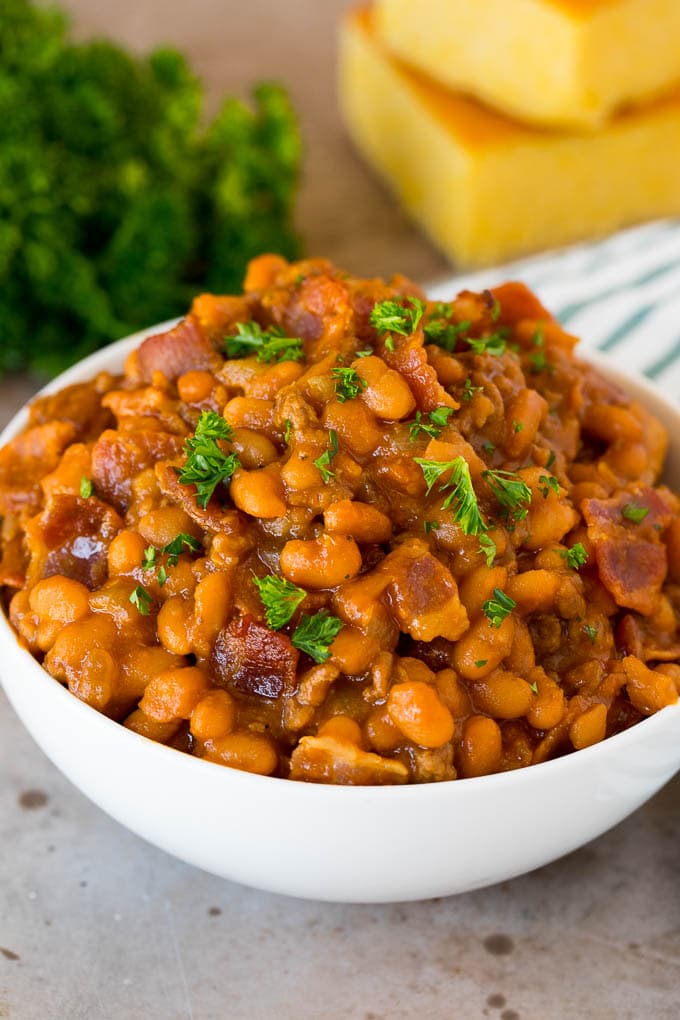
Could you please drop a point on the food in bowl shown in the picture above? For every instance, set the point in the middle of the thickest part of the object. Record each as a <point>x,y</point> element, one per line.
<point>331,531</point>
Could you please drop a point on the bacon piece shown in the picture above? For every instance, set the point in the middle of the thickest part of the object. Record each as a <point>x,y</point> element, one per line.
<point>423,594</point>
<point>213,518</point>
<point>215,313</point>
<point>254,659</point>
<point>518,302</point>
<point>631,558</point>
<point>25,460</point>
<point>80,405</point>
<point>410,359</point>
<point>117,457</point>
<point>179,350</point>
<point>71,537</point>
<point>328,760</point>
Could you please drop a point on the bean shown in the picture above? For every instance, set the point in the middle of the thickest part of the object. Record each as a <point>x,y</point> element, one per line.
<point>363,522</point>
<point>57,601</point>
<point>355,424</point>
<point>160,526</point>
<point>250,413</point>
<point>126,552</point>
<point>387,393</point>
<point>173,625</point>
<point>246,751</point>
<point>140,722</point>
<point>381,733</point>
<point>477,587</point>
<point>589,727</point>
<point>322,562</point>
<point>352,651</point>
<point>342,728</point>
<point>481,747</point>
<point>648,690</point>
<point>175,694</point>
<point>267,383</point>
<point>534,591</point>
<point>418,711</point>
<point>259,493</point>
<point>214,716</point>
<point>194,387</point>
<point>524,414</point>
<point>503,695</point>
<point>213,601</point>
<point>483,647</point>
<point>254,450</point>
<point>549,704</point>
<point>453,694</point>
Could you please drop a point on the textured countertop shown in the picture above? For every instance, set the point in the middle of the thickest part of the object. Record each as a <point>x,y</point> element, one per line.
<point>95,924</point>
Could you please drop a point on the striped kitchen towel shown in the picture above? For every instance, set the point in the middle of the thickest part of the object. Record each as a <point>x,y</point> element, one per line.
<point>621,295</point>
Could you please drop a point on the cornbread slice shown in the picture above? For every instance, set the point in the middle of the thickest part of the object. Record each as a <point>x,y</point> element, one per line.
<point>547,61</point>
<point>486,188</point>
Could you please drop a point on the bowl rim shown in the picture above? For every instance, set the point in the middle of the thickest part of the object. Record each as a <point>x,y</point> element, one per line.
<point>114,354</point>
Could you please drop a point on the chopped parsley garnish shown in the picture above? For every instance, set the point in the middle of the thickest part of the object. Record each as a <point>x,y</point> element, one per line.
<point>534,687</point>
<point>462,492</point>
<point>488,547</point>
<point>365,353</point>
<point>348,383</point>
<point>591,633</point>
<point>429,526</point>
<point>149,557</point>
<point>315,634</point>
<point>517,426</point>
<point>495,344</point>
<point>287,430</point>
<point>389,343</point>
<point>141,600</point>
<point>440,331</point>
<point>323,462</point>
<point>481,662</point>
<point>495,310</point>
<point>270,345</point>
<point>437,420</point>
<point>576,556</point>
<point>633,512</point>
<point>546,483</point>
<point>162,576</point>
<point>469,390</point>
<point>511,491</point>
<point>86,487</point>
<point>498,607</point>
<point>394,317</point>
<point>489,447</point>
<point>551,459</point>
<point>206,464</point>
<point>178,545</point>
<point>280,599</point>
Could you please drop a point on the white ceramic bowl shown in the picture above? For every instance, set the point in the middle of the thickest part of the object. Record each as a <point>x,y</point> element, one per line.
<point>360,844</point>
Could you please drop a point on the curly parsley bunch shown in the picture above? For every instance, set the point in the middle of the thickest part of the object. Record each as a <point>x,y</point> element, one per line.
<point>116,203</point>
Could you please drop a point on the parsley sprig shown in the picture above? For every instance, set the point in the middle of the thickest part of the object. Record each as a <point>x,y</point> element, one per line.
<point>324,461</point>
<point>576,556</point>
<point>206,464</point>
<point>433,425</point>
<point>280,599</point>
<point>270,344</point>
<point>498,607</point>
<point>633,512</point>
<point>86,487</point>
<point>396,316</point>
<point>511,491</point>
<point>348,383</point>
<point>141,600</point>
<point>462,494</point>
<point>315,634</point>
